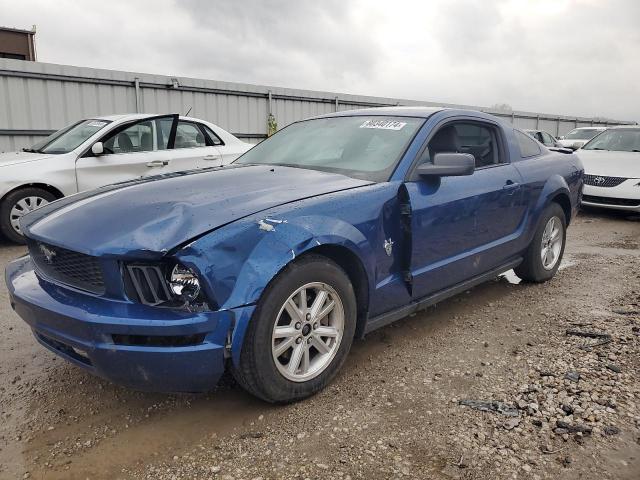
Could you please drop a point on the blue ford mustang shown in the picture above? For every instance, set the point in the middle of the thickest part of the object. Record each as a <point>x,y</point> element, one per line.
<point>270,267</point>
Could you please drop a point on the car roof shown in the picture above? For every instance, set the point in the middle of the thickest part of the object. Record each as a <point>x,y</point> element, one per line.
<point>625,127</point>
<point>420,112</point>
<point>138,116</point>
<point>595,127</point>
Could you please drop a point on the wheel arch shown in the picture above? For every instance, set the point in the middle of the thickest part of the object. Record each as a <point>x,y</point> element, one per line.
<point>44,186</point>
<point>354,268</point>
<point>250,256</point>
<point>562,199</point>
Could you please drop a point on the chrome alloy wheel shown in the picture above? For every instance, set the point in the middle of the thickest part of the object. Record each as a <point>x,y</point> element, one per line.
<point>307,332</point>
<point>22,207</point>
<point>551,243</point>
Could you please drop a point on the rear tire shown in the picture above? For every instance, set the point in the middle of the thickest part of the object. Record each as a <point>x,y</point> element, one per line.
<point>300,333</point>
<point>544,254</point>
<point>17,204</point>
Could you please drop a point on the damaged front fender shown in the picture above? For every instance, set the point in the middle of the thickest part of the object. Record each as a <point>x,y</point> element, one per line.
<point>241,259</point>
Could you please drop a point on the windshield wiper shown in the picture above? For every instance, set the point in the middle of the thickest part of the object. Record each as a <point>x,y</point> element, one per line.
<point>30,150</point>
<point>598,148</point>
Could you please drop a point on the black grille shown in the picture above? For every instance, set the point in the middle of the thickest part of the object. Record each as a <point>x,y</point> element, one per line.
<point>147,284</point>
<point>624,202</point>
<point>601,181</point>
<point>70,268</point>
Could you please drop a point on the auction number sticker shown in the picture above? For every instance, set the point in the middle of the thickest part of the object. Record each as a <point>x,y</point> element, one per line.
<point>383,124</point>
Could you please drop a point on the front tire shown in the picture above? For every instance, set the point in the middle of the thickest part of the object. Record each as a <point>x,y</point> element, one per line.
<point>300,333</point>
<point>17,204</point>
<point>544,254</point>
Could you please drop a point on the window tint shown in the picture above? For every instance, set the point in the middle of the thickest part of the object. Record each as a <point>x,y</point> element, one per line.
<point>188,135</point>
<point>528,146</point>
<point>479,140</point>
<point>136,138</point>
<point>215,139</point>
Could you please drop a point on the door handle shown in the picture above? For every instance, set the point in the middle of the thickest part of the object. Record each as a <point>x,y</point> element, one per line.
<point>211,157</point>
<point>158,163</point>
<point>510,186</point>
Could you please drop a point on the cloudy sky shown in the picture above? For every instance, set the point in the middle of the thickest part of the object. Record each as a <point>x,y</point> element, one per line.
<point>574,57</point>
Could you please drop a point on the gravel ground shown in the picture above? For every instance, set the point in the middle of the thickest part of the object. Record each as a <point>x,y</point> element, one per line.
<point>505,381</point>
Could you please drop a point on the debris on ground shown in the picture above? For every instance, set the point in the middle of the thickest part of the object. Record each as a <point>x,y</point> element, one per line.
<point>491,406</point>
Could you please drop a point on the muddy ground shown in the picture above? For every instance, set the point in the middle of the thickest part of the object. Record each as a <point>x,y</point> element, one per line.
<point>569,410</point>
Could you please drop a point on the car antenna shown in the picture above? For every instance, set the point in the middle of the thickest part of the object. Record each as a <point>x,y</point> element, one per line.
<point>188,111</point>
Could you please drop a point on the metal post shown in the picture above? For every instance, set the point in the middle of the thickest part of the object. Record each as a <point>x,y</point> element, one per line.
<point>270,103</point>
<point>136,84</point>
<point>537,122</point>
<point>337,104</point>
<point>557,127</point>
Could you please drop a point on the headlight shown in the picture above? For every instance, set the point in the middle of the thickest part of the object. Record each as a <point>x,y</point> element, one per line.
<point>183,283</point>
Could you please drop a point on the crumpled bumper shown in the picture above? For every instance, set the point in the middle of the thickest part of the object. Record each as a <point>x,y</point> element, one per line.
<point>172,350</point>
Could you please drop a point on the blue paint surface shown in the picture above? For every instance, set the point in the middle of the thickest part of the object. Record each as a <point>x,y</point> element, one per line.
<point>238,226</point>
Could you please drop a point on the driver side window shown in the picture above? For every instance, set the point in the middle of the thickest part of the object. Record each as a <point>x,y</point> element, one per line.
<point>136,138</point>
<point>476,138</point>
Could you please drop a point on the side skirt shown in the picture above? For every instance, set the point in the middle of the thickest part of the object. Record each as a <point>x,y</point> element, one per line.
<point>390,317</point>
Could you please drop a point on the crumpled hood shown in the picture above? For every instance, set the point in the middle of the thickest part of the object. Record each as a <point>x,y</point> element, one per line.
<point>610,164</point>
<point>148,217</point>
<point>12,158</point>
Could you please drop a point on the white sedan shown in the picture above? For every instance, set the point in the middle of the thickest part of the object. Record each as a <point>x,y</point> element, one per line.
<point>104,150</point>
<point>612,169</point>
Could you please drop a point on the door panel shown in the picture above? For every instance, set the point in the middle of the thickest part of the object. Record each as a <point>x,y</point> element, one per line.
<point>132,150</point>
<point>463,226</point>
<point>193,158</point>
<point>94,172</point>
<point>192,149</point>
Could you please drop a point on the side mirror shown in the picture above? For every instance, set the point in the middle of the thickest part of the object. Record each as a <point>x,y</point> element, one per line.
<point>448,165</point>
<point>97,149</point>
<point>561,137</point>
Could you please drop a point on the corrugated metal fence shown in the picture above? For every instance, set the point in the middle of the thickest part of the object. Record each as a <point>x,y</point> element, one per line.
<point>38,98</point>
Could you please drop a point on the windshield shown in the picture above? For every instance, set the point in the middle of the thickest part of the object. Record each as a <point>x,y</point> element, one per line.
<point>619,140</point>
<point>582,134</point>
<point>65,140</point>
<point>361,147</point>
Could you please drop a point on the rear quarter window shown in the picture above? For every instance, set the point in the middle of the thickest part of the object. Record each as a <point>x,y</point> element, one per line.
<point>527,145</point>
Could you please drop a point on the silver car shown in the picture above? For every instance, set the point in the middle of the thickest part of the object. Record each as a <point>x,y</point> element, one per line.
<point>577,137</point>
<point>103,150</point>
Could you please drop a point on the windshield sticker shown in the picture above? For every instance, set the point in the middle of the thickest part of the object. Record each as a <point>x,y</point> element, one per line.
<point>96,124</point>
<point>383,124</point>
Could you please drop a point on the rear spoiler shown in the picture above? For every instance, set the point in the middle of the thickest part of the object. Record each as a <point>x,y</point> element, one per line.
<point>560,149</point>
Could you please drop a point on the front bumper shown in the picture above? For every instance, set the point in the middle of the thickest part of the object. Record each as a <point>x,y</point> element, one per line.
<point>625,196</point>
<point>80,327</point>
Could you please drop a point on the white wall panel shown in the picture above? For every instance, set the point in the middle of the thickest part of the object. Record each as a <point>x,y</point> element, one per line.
<point>42,96</point>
